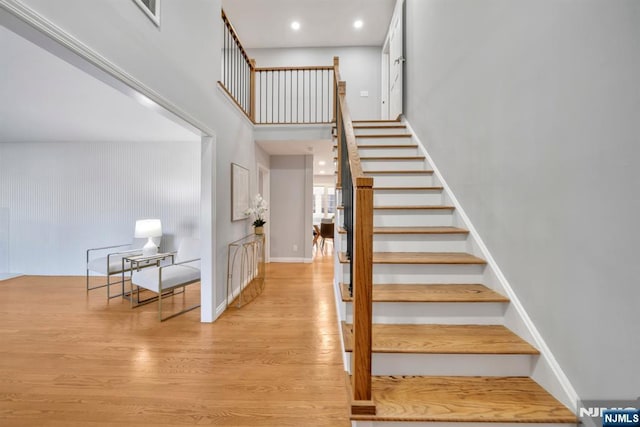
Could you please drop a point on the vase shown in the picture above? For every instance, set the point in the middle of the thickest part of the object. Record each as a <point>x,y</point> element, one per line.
<point>259,230</point>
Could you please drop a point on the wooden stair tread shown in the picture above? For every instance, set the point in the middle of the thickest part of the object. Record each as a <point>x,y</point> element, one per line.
<point>383,135</point>
<point>435,188</point>
<point>442,339</point>
<point>464,399</point>
<point>414,230</point>
<point>421,258</point>
<point>392,158</point>
<point>400,172</point>
<point>377,121</point>
<point>382,146</point>
<point>396,126</point>
<point>410,207</point>
<point>429,293</point>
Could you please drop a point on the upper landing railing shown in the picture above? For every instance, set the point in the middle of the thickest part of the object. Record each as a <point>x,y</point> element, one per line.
<point>275,95</point>
<point>310,95</point>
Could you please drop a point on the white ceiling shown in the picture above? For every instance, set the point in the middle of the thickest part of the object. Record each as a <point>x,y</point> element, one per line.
<point>43,98</point>
<point>321,149</point>
<point>264,24</point>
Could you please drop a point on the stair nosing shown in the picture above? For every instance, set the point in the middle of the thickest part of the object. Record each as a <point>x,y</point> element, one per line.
<point>498,298</point>
<point>433,188</point>
<point>424,331</point>
<point>412,258</point>
<point>399,172</point>
<point>414,230</point>
<point>416,207</point>
<point>466,411</point>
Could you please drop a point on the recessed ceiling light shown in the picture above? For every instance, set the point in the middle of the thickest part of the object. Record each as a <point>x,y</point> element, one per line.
<point>322,163</point>
<point>358,24</point>
<point>295,25</point>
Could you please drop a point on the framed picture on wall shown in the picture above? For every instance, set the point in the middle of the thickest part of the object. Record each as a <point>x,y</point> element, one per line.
<point>151,8</point>
<point>239,192</point>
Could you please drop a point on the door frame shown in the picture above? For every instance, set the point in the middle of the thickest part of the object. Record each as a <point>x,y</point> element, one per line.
<point>398,13</point>
<point>265,191</point>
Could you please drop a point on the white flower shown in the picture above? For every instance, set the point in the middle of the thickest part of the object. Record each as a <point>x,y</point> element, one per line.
<point>258,210</point>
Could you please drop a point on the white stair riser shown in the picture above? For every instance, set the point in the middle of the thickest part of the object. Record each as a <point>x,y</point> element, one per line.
<point>417,242</point>
<point>445,313</point>
<point>401,180</point>
<point>447,424</point>
<point>388,152</point>
<point>423,273</point>
<point>393,165</point>
<point>384,141</point>
<point>412,218</point>
<point>379,131</point>
<point>450,364</point>
<point>407,197</point>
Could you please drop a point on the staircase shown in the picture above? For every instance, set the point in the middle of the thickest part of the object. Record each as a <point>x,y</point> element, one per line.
<point>442,351</point>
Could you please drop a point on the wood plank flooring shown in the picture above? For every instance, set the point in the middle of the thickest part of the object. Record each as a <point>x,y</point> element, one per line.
<point>72,359</point>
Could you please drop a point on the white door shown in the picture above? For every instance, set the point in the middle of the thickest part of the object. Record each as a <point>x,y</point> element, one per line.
<point>396,64</point>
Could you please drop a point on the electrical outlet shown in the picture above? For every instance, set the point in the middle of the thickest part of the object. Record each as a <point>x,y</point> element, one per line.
<point>364,93</point>
<point>295,248</point>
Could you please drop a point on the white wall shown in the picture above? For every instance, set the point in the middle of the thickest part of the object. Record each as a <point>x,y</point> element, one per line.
<point>532,112</point>
<point>291,203</point>
<point>63,198</point>
<point>180,61</point>
<point>359,67</point>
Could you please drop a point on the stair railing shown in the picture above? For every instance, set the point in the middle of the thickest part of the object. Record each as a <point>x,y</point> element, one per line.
<point>275,95</point>
<point>357,199</point>
<point>237,74</point>
<point>294,95</point>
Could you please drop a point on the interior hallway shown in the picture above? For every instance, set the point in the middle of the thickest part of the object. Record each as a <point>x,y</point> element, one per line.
<point>67,358</point>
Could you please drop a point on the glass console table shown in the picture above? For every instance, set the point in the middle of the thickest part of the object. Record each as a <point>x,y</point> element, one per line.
<point>245,270</point>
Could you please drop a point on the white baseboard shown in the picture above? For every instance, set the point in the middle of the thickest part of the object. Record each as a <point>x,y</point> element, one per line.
<point>219,310</point>
<point>547,372</point>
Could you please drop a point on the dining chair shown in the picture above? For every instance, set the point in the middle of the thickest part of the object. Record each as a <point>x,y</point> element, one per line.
<point>326,232</point>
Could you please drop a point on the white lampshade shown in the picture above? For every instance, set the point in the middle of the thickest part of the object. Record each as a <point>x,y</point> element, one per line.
<point>148,228</point>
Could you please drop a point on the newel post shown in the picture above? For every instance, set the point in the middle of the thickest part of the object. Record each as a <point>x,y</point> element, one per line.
<point>252,90</point>
<point>362,402</point>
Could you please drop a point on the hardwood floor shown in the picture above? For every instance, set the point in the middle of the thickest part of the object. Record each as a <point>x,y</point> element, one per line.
<point>72,359</point>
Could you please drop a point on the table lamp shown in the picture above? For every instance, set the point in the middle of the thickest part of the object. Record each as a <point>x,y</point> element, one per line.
<point>148,228</point>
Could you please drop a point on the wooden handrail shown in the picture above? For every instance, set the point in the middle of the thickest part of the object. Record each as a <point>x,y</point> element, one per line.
<point>300,68</point>
<point>358,176</point>
<point>234,34</point>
